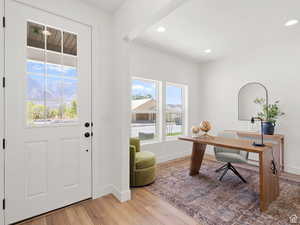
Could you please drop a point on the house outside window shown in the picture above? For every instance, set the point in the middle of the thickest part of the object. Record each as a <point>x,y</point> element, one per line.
<point>158,110</point>
<point>145,109</point>
<point>174,110</point>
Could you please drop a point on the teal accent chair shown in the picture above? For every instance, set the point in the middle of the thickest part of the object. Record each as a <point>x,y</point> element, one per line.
<point>230,156</point>
<point>142,165</point>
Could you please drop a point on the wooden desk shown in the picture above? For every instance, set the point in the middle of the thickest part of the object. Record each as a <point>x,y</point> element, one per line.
<point>268,182</point>
<point>278,146</point>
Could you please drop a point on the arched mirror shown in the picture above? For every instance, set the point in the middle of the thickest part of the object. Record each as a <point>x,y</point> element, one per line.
<point>247,108</point>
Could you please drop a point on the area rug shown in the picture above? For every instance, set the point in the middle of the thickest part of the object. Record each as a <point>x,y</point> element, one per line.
<point>226,202</point>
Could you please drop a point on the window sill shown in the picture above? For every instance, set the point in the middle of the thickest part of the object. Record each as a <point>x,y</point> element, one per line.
<point>170,139</point>
<point>173,138</point>
<point>150,142</point>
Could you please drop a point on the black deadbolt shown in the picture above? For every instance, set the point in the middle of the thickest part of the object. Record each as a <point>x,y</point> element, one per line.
<point>87,134</point>
<point>87,124</point>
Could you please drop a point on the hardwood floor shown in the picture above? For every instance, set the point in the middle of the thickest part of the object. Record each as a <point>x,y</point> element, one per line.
<point>143,209</point>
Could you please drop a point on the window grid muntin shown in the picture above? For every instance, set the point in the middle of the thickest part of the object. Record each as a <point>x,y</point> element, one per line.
<point>46,75</point>
<point>161,109</point>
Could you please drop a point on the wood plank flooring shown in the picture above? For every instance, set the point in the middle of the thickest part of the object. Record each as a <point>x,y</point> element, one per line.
<point>143,209</point>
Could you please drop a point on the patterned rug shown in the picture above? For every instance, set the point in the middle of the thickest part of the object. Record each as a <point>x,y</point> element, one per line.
<point>212,202</point>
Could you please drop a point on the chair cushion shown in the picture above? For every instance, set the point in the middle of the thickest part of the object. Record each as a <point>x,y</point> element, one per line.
<point>144,159</point>
<point>230,157</point>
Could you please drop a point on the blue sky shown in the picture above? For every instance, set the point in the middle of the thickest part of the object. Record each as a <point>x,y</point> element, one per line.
<point>57,75</point>
<point>173,94</point>
<point>52,69</point>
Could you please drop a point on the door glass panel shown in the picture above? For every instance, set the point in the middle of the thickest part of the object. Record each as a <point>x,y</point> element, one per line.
<point>70,99</point>
<point>54,112</point>
<point>35,98</point>
<point>54,90</point>
<point>53,39</point>
<point>35,67</point>
<point>35,90</point>
<point>70,43</point>
<point>69,71</point>
<point>52,79</point>
<point>35,112</point>
<point>35,35</point>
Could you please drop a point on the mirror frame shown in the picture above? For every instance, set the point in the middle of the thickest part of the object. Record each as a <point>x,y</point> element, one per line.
<point>244,86</point>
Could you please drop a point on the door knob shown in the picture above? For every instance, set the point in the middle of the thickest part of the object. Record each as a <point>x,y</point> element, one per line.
<point>87,134</point>
<point>87,124</point>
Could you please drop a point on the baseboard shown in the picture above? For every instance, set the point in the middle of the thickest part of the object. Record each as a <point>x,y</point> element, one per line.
<point>122,196</point>
<point>292,170</point>
<point>165,158</point>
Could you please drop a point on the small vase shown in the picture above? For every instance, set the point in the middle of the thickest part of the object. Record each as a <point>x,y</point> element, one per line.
<point>268,128</point>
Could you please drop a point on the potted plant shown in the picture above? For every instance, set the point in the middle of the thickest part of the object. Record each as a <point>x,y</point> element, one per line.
<point>270,114</point>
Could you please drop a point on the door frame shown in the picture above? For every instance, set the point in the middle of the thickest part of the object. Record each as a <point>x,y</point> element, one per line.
<point>2,114</point>
<point>3,64</point>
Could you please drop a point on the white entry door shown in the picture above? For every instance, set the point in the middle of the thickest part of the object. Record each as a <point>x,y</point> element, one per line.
<point>48,112</point>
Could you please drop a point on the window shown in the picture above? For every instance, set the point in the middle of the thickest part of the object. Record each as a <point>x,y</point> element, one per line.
<point>52,78</point>
<point>174,110</point>
<point>145,109</point>
<point>157,114</point>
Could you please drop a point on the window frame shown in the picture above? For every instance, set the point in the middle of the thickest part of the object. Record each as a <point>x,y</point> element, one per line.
<point>46,52</point>
<point>158,128</point>
<point>161,109</point>
<point>183,88</point>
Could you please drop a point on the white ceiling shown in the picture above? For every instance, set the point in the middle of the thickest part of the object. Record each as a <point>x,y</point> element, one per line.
<point>226,27</point>
<point>107,5</point>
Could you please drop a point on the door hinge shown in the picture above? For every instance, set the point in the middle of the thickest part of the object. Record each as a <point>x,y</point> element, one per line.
<point>3,143</point>
<point>3,82</point>
<point>3,204</point>
<point>3,21</point>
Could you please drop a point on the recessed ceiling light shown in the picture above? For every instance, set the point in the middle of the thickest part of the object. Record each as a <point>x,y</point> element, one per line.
<point>291,22</point>
<point>207,51</point>
<point>161,29</point>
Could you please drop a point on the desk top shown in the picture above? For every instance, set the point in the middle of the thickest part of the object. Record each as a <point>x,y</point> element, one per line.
<point>237,144</point>
<point>257,135</point>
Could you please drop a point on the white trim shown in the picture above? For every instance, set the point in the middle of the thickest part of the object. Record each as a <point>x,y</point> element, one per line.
<point>291,169</point>
<point>168,157</point>
<point>161,109</point>
<point>111,189</point>
<point>122,196</point>
<point>184,89</point>
<point>157,86</point>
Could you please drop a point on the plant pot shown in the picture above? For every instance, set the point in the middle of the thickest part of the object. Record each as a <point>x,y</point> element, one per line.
<point>268,128</point>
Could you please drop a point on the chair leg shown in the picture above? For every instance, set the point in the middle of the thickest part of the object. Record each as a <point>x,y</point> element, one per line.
<point>221,168</point>
<point>225,171</point>
<point>232,168</point>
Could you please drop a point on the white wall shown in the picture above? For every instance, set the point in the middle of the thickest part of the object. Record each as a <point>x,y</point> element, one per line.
<point>277,67</point>
<point>150,63</point>
<point>132,18</point>
<point>101,24</point>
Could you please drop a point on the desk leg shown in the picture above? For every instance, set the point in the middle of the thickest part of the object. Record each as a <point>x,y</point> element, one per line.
<point>268,182</point>
<point>197,158</point>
